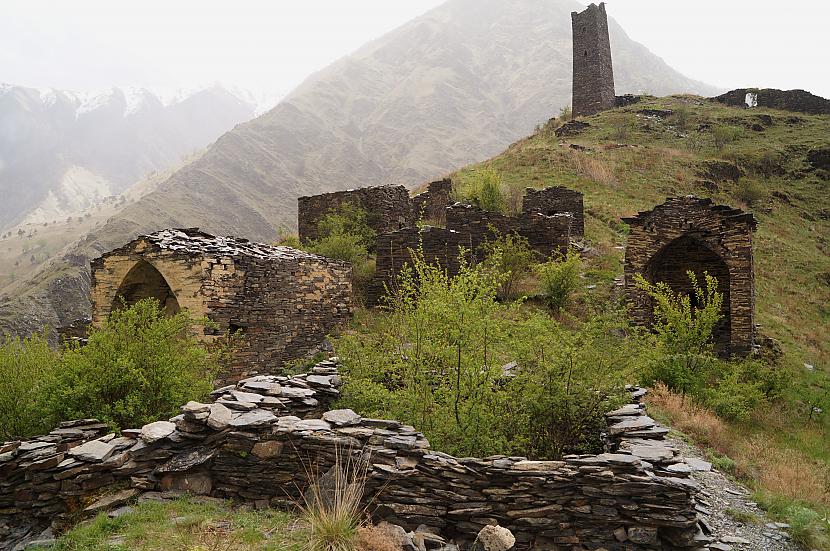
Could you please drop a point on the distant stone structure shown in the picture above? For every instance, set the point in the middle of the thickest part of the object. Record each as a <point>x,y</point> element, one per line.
<point>430,205</point>
<point>786,100</point>
<point>282,300</point>
<point>254,442</point>
<point>593,73</point>
<point>467,226</point>
<point>691,234</point>
<point>388,208</point>
<point>557,200</point>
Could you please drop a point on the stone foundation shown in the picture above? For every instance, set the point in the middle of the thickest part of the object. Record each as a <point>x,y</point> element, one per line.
<point>787,100</point>
<point>257,442</point>
<point>557,200</point>
<point>283,301</point>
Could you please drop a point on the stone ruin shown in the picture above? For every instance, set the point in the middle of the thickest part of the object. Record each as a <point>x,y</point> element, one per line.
<point>469,227</point>
<point>593,73</point>
<point>283,301</point>
<point>688,233</point>
<point>557,200</point>
<point>786,100</point>
<point>388,208</point>
<point>257,441</point>
<point>429,205</point>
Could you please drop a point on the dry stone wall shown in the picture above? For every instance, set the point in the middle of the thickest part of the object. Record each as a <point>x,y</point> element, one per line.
<point>468,227</point>
<point>431,204</point>
<point>388,208</point>
<point>256,441</point>
<point>557,200</point>
<point>283,301</point>
<point>688,233</point>
<point>787,100</point>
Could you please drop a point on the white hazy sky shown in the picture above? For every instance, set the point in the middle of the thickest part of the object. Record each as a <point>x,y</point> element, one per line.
<point>269,46</point>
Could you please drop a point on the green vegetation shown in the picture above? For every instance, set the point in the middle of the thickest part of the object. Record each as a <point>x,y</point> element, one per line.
<point>345,234</point>
<point>559,279</point>
<point>139,367</point>
<point>486,189</point>
<point>188,524</point>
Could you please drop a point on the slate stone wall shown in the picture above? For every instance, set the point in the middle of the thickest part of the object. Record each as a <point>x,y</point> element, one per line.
<point>557,200</point>
<point>249,446</point>
<point>467,226</point>
<point>388,208</point>
<point>787,100</point>
<point>688,233</point>
<point>593,73</point>
<point>430,205</point>
<point>283,301</point>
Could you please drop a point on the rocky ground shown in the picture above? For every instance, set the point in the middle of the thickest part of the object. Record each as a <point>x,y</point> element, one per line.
<point>726,508</point>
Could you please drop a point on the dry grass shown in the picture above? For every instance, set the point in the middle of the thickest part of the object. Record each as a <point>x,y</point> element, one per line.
<point>332,505</point>
<point>783,471</point>
<point>592,167</point>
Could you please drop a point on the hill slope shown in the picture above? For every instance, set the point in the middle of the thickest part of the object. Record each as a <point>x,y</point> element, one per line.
<point>453,86</point>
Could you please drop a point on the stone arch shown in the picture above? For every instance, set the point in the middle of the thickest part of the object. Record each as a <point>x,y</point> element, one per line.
<point>671,265</point>
<point>145,281</point>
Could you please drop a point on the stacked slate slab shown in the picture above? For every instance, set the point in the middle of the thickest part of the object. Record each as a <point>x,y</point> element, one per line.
<point>258,440</point>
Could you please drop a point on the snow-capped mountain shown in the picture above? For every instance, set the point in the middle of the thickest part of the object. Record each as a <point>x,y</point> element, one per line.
<point>61,150</point>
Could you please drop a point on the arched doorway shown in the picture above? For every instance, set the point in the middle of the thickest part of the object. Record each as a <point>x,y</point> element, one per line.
<point>685,254</point>
<point>145,281</point>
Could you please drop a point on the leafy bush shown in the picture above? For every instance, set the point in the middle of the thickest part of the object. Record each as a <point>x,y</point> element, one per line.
<point>435,358</point>
<point>559,279</point>
<point>486,189</point>
<point>749,192</point>
<point>345,234</point>
<point>511,258</point>
<point>139,367</point>
<point>27,366</point>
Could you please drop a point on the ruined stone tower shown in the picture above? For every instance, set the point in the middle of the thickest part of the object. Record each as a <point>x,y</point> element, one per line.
<point>593,78</point>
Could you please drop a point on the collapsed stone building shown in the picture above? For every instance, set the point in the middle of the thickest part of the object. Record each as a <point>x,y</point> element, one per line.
<point>282,301</point>
<point>254,442</point>
<point>387,208</point>
<point>692,234</point>
<point>593,72</point>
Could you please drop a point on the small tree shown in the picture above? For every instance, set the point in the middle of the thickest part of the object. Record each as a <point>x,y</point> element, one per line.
<point>139,367</point>
<point>684,330</point>
<point>509,256</point>
<point>559,279</point>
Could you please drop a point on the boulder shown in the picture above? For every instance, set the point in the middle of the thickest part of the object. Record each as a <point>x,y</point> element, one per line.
<point>496,538</point>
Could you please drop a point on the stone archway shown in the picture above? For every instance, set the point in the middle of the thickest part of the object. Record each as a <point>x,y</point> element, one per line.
<point>671,266</point>
<point>145,281</point>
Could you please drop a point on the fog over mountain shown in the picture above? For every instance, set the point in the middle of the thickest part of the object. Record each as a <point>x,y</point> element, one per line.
<point>62,151</point>
<point>453,86</point>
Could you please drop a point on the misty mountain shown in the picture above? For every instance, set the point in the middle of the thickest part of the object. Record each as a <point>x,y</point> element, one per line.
<point>453,86</point>
<point>62,151</point>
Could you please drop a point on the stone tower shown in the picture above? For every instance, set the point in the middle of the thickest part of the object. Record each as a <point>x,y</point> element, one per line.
<point>593,78</point>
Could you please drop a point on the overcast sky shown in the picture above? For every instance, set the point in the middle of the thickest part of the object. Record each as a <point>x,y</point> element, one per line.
<point>271,45</point>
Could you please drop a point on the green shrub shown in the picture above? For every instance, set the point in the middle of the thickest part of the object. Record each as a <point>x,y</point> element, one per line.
<point>750,192</point>
<point>511,258</point>
<point>27,367</point>
<point>559,279</point>
<point>434,359</point>
<point>345,234</point>
<point>485,189</point>
<point>139,367</point>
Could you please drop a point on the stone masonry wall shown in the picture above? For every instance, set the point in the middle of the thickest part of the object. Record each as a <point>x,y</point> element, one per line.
<point>283,302</point>
<point>557,200</point>
<point>786,100</point>
<point>593,73</point>
<point>388,209</point>
<point>249,446</point>
<point>431,204</point>
<point>688,233</point>
<point>469,227</point>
